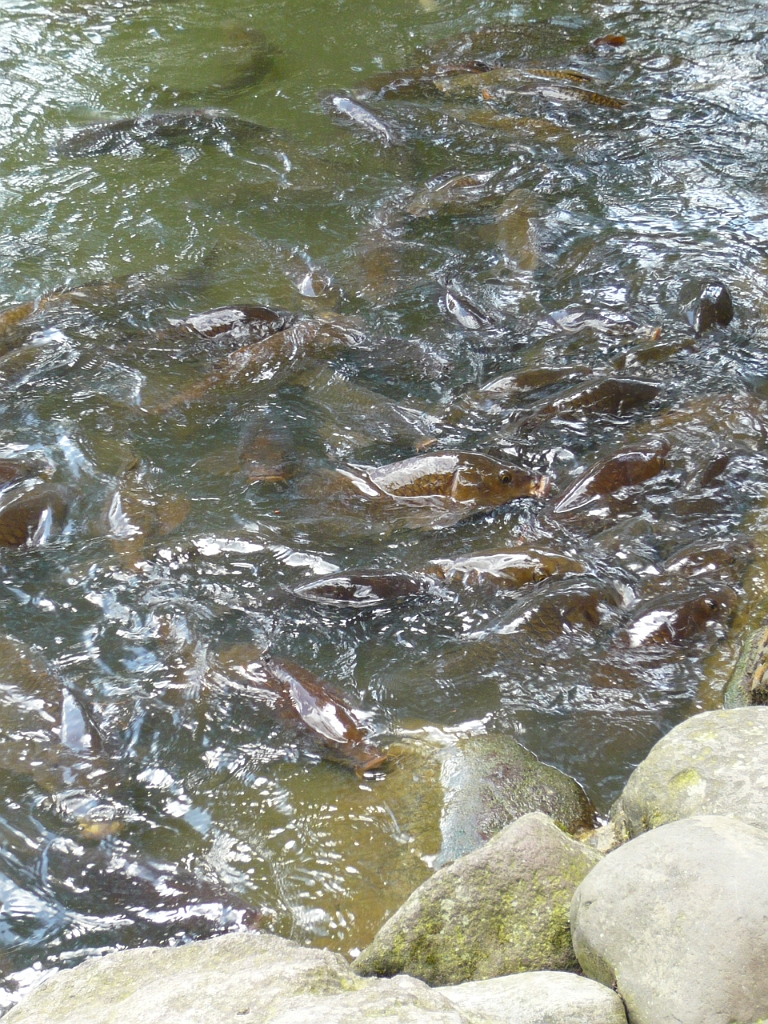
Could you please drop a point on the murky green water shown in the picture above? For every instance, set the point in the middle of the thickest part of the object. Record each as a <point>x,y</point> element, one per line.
<point>175,548</point>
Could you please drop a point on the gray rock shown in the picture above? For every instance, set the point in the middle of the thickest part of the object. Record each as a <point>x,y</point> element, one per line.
<point>244,977</point>
<point>538,997</point>
<point>499,910</point>
<point>713,763</point>
<point>490,781</point>
<point>676,920</point>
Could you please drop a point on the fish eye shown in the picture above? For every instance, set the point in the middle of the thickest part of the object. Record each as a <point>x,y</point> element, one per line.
<point>710,603</point>
<point>505,477</point>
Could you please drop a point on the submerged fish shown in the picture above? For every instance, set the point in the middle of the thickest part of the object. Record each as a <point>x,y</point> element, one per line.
<point>303,699</point>
<point>462,476</point>
<point>623,469</point>
<point>362,589</point>
<point>674,620</point>
<point>506,567</point>
<point>206,126</point>
<point>253,321</point>
<point>32,516</point>
<point>611,396</point>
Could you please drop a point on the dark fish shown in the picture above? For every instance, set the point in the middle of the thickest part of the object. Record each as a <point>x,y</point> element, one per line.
<point>14,470</point>
<point>33,515</point>
<point>254,321</point>
<point>460,193</point>
<point>611,396</point>
<point>162,128</point>
<point>534,379</point>
<point>304,699</point>
<point>463,476</point>
<point>419,81</point>
<point>674,620</point>
<point>361,117</point>
<point>713,307</point>
<point>623,469</point>
<point>508,567</point>
<point>704,558</point>
<point>362,589</point>
<point>562,608</point>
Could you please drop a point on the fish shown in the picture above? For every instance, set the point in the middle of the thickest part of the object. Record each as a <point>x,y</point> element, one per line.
<point>704,558</point>
<point>362,589</point>
<point>506,567</point>
<point>181,127</point>
<point>303,699</point>
<point>305,338</point>
<point>460,193</point>
<point>625,468</point>
<point>572,92</point>
<point>32,516</point>
<point>609,40</point>
<point>609,396</point>
<point>713,308</point>
<point>361,117</point>
<point>464,312</point>
<point>462,476</point>
<point>675,620</point>
<point>417,81</point>
<point>254,321</point>
<point>563,607</point>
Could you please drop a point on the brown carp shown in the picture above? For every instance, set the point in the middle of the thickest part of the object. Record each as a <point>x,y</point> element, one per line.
<point>675,620</point>
<point>623,469</point>
<point>362,589</point>
<point>32,516</point>
<point>563,607</point>
<point>252,321</point>
<point>506,567</point>
<point>611,396</point>
<point>462,476</point>
<point>302,698</point>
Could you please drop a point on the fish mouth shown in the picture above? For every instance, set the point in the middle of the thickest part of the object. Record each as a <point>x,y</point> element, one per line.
<point>540,489</point>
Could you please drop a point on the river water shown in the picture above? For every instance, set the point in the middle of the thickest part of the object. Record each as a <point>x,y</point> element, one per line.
<point>147,794</point>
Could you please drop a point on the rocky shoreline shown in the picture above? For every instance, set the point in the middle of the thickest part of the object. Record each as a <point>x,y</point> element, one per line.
<point>656,917</point>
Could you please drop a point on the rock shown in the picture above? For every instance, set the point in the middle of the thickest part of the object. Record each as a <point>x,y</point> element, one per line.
<point>676,920</point>
<point>713,763</point>
<point>553,997</point>
<point>490,781</point>
<point>244,977</point>
<point>499,910</point>
<point>603,839</point>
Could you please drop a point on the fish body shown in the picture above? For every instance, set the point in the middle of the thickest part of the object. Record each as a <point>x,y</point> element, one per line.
<point>361,117</point>
<point>362,589</point>
<point>672,621</point>
<point>333,725</point>
<point>509,567</point>
<point>462,476</point>
<point>33,515</point>
<point>205,126</point>
<point>256,321</point>
<point>623,469</point>
<point>611,396</point>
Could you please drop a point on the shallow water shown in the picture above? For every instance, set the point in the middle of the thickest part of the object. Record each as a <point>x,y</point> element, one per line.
<point>175,548</point>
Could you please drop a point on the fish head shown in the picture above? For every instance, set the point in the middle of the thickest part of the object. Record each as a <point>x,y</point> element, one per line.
<point>487,482</point>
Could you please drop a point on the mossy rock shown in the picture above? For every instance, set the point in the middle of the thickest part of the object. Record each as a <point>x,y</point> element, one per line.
<point>499,910</point>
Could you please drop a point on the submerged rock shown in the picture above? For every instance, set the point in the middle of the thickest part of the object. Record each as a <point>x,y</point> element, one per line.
<point>713,763</point>
<point>499,910</point>
<point>675,920</point>
<point>490,781</point>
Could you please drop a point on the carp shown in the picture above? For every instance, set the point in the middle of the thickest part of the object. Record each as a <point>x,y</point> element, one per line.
<point>506,567</point>
<point>362,589</point>
<point>623,469</point>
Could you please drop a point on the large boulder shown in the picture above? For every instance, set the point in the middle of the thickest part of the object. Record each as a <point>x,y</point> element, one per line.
<point>244,977</point>
<point>256,978</point>
<point>713,763</point>
<point>499,910</point>
<point>490,781</point>
<point>676,921</point>
<point>539,997</point>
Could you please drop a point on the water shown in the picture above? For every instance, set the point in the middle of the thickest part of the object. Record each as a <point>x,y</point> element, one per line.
<point>116,697</point>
